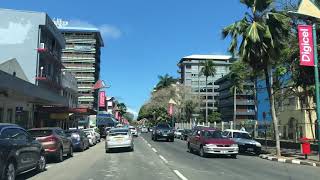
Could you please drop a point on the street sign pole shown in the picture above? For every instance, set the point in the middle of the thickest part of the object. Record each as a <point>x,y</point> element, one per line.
<point>316,75</point>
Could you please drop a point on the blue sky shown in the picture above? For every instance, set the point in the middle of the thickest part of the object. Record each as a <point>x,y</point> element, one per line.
<point>144,38</point>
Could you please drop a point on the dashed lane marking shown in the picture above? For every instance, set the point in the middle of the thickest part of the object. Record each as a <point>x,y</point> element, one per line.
<point>180,175</point>
<point>163,159</point>
<point>153,149</point>
<point>149,145</point>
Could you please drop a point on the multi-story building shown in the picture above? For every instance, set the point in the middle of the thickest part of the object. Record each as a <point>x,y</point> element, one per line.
<point>81,57</point>
<point>243,101</point>
<point>190,71</point>
<point>30,52</point>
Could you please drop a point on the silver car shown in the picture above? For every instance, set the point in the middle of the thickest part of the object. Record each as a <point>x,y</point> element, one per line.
<point>119,138</point>
<point>244,140</point>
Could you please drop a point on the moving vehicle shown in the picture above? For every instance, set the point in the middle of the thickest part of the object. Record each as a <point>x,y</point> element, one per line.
<point>178,133</point>
<point>162,131</point>
<point>54,141</point>
<point>244,140</point>
<point>78,138</point>
<point>119,138</point>
<point>133,130</point>
<point>185,134</point>
<point>19,152</point>
<point>144,129</point>
<point>210,141</point>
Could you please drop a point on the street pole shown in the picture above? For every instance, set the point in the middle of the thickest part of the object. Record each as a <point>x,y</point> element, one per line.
<point>316,75</point>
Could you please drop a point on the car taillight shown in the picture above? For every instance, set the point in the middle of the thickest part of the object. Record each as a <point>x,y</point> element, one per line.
<point>50,139</point>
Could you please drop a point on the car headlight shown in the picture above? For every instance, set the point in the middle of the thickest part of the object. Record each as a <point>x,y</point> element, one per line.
<point>211,145</point>
<point>258,144</point>
<point>234,145</point>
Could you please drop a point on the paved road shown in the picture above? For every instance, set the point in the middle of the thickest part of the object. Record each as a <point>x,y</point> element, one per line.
<point>167,160</point>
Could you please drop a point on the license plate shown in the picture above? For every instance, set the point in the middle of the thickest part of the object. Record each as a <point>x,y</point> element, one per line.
<point>224,152</point>
<point>250,149</point>
<point>119,139</point>
<point>165,135</point>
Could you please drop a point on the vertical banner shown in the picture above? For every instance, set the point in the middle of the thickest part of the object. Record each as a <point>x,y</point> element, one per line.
<point>170,110</point>
<point>102,99</point>
<point>306,45</point>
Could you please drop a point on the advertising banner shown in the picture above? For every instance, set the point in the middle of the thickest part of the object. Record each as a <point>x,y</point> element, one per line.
<point>306,45</point>
<point>102,99</point>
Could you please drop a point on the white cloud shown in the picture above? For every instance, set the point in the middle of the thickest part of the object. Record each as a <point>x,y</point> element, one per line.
<point>107,30</point>
<point>134,112</point>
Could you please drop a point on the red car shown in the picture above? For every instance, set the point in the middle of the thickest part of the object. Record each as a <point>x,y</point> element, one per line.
<point>207,140</point>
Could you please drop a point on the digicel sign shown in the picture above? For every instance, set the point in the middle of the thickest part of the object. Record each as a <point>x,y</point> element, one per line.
<point>306,45</point>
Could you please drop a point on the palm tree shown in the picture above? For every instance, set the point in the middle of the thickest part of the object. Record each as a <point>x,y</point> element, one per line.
<point>262,32</point>
<point>207,70</point>
<point>165,81</point>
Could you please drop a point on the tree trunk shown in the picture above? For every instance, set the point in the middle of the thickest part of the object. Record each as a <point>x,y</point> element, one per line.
<point>267,72</point>
<point>206,100</point>
<point>234,105</point>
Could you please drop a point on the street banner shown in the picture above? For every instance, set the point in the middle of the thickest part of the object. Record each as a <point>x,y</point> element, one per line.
<point>102,99</point>
<point>306,45</point>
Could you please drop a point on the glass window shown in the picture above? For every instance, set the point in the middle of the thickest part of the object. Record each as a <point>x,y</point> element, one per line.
<point>213,134</point>
<point>14,133</point>
<point>40,133</point>
<point>241,135</point>
<point>225,133</point>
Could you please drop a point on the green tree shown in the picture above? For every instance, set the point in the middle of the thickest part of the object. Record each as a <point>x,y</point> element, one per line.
<point>122,108</point>
<point>190,108</point>
<point>129,116</point>
<point>214,117</point>
<point>165,81</point>
<point>262,33</point>
<point>208,70</point>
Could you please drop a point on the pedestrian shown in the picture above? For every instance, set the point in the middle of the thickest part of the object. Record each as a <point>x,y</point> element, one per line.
<point>242,128</point>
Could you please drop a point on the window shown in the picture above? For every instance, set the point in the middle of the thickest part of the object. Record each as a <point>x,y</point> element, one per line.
<point>212,134</point>
<point>188,66</point>
<point>1,115</point>
<point>14,133</point>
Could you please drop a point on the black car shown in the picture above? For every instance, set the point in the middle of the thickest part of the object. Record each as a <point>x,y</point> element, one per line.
<point>162,131</point>
<point>185,134</point>
<point>19,152</point>
<point>78,138</point>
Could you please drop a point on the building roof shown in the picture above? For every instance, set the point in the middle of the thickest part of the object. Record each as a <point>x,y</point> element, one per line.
<point>222,58</point>
<point>83,29</point>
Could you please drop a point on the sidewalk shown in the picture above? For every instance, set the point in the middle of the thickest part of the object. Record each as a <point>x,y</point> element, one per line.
<point>292,156</point>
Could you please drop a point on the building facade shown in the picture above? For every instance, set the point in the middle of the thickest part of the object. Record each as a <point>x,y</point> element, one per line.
<point>242,101</point>
<point>81,57</point>
<point>190,76</point>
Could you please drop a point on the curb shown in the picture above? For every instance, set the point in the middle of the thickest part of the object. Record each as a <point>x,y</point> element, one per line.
<point>289,161</point>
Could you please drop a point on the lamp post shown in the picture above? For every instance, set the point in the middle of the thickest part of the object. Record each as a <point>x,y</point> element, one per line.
<point>170,110</point>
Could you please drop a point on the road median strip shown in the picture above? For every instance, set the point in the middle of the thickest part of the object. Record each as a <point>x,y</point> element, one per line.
<point>271,157</point>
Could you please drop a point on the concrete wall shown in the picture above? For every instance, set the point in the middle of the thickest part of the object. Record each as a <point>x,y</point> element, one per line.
<point>19,38</point>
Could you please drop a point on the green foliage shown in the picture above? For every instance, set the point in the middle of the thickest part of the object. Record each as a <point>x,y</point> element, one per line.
<point>208,69</point>
<point>214,117</point>
<point>129,116</point>
<point>165,81</point>
<point>122,108</point>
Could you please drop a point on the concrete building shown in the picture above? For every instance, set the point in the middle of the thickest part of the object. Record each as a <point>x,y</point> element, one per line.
<point>190,68</point>
<point>81,57</point>
<point>244,102</point>
<point>30,64</point>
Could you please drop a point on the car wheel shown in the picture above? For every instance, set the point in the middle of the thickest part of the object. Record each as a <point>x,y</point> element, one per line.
<point>234,156</point>
<point>41,166</point>
<point>132,149</point>
<point>190,148</point>
<point>202,153</point>
<point>59,155</point>
<point>257,152</point>
<point>10,172</point>
<point>70,152</point>
<point>155,138</point>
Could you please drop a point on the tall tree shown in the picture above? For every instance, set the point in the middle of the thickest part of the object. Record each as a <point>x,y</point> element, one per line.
<point>122,108</point>
<point>165,81</point>
<point>262,33</point>
<point>208,70</point>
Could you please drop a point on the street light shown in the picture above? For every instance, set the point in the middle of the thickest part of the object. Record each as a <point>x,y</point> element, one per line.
<point>307,10</point>
<point>170,110</point>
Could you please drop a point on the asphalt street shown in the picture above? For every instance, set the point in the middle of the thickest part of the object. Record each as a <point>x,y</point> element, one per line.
<point>167,160</point>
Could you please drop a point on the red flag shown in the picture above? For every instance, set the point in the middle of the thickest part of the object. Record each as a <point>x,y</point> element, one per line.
<point>98,85</point>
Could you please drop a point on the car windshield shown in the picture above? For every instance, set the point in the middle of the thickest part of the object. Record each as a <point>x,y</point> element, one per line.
<point>241,135</point>
<point>40,133</point>
<point>212,134</point>
<point>163,126</point>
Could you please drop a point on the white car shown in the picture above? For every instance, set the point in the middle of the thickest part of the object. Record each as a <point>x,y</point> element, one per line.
<point>119,138</point>
<point>144,129</point>
<point>133,130</point>
<point>92,138</point>
<point>178,133</point>
<point>95,133</point>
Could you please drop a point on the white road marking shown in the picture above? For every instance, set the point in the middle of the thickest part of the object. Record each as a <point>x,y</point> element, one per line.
<point>153,149</point>
<point>282,160</point>
<point>180,175</point>
<point>164,159</point>
<point>295,162</point>
<point>149,145</point>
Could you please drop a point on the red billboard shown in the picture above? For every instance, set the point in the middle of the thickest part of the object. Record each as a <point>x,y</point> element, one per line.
<point>306,45</point>
<point>102,99</point>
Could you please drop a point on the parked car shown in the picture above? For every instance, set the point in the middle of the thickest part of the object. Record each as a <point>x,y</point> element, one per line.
<point>78,138</point>
<point>19,152</point>
<point>54,141</point>
<point>133,130</point>
<point>119,138</point>
<point>95,133</point>
<point>178,133</point>
<point>162,131</point>
<point>207,140</point>
<point>244,140</point>
<point>91,137</point>
<point>185,134</point>
<point>144,129</point>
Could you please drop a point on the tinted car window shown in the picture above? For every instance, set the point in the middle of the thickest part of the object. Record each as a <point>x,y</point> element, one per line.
<point>241,135</point>
<point>212,134</point>
<point>14,133</point>
<point>40,133</point>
